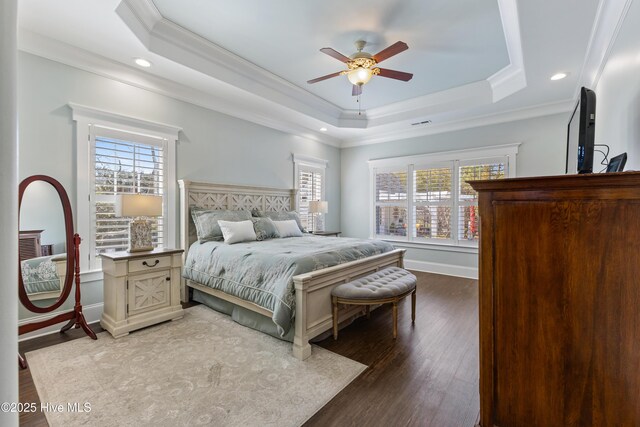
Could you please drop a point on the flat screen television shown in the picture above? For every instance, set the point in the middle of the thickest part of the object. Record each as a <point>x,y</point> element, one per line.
<point>581,134</point>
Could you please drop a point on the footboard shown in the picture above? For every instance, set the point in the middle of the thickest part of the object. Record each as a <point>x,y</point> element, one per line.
<point>313,296</point>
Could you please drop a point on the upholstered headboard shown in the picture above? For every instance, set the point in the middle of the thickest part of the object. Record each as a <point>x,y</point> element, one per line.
<point>232,197</point>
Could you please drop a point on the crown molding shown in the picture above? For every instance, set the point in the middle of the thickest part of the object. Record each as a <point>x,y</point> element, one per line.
<point>143,16</point>
<point>467,123</point>
<point>165,38</point>
<point>78,58</point>
<point>273,102</point>
<point>609,19</point>
<point>466,96</point>
<point>270,115</point>
<point>511,78</point>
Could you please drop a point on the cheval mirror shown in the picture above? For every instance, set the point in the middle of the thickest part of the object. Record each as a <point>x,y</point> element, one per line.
<point>48,256</point>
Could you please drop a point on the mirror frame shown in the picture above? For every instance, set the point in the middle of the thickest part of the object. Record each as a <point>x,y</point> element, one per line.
<point>71,261</point>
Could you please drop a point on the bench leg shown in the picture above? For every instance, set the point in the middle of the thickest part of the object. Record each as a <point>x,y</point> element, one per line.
<point>395,319</point>
<point>413,306</point>
<point>368,311</point>
<point>335,318</point>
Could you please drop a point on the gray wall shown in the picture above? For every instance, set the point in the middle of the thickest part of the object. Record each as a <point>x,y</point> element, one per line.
<point>213,147</point>
<point>618,94</point>
<point>542,152</point>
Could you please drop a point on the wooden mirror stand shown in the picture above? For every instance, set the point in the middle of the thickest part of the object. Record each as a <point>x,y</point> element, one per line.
<point>75,318</point>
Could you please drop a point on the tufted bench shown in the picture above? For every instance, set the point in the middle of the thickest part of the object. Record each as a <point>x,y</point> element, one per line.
<point>389,285</point>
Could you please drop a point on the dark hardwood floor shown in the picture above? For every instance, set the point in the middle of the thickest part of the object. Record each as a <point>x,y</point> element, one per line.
<point>427,377</point>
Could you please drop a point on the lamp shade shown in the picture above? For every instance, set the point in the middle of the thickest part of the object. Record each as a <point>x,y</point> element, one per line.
<point>318,207</point>
<point>360,76</point>
<point>134,205</point>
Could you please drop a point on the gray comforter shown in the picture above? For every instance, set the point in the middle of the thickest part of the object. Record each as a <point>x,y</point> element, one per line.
<point>262,272</point>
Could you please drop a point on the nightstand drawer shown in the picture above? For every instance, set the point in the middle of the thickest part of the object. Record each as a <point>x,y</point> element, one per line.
<point>149,264</point>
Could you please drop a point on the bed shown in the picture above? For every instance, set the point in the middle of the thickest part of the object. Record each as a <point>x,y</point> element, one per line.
<point>308,268</point>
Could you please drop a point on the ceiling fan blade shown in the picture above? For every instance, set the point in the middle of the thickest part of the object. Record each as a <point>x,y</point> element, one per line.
<point>335,54</point>
<point>356,90</point>
<point>393,74</point>
<point>319,79</point>
<point>392,50</point>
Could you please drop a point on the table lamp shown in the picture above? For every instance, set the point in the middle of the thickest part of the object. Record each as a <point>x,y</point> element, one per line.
<point>317,207</point>
<point>139,207</point>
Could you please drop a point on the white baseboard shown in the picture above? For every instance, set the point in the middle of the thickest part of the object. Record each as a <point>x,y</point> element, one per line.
<point>446,269</point>
<point>91,313</point>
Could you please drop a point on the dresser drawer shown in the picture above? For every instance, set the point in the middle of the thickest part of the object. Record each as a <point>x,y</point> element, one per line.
<point>149,264</point>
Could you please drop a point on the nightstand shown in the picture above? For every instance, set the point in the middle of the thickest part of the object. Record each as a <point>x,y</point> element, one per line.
<point>140,289</point>
<point>326,233</point>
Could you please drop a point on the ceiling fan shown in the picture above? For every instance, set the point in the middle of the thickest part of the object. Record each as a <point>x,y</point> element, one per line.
<point>361,66</point>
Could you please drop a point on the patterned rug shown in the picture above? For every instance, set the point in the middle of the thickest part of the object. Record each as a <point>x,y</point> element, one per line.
<point>204,369</point>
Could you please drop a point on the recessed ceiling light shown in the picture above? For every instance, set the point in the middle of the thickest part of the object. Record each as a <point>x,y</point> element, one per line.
<point>323,129</point>
<point>143,62</point>
<point>559,76</point>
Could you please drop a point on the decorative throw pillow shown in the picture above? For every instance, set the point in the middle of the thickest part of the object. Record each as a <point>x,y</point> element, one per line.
<point>265,228</point>
<point>206,222</point>
<point>288,228</point>
<point>285,216</point>
<point>237,231</point>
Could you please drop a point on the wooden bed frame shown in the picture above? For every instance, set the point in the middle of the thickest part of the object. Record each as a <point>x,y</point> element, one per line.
<point>313,290</point>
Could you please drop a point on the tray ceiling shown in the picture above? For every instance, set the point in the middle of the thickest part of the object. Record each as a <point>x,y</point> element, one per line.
<point>450,43</point>
<point>474,61</point>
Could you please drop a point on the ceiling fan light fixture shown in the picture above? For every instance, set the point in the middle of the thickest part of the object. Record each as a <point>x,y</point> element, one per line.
<point>360,76</point>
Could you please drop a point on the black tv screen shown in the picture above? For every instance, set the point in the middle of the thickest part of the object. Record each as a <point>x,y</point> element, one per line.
<point>581,134</point>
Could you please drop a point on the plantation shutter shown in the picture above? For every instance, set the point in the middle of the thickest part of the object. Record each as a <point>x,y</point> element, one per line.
<point>123,163</point>
<point>391,203</point>
<point>468,221</point>
<point>433,202</point>
<point>310,182</point>
<point>425,199</point>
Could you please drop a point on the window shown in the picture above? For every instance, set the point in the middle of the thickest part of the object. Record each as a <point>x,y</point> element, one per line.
<point>432,202</point>
<point>426,199</point>
<point>391,203</point>
<point>119,155</point>
<point>310,182</point>
<point>468,198</point>
<point>122,164</point>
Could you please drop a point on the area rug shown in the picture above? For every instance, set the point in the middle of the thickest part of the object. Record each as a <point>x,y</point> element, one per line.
<point>203,369</point>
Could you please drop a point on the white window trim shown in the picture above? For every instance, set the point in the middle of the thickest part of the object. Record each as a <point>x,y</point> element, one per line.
<point>457,158</point>
<point>509,150</point>
<point>85,117</point>
<point>312,163</point>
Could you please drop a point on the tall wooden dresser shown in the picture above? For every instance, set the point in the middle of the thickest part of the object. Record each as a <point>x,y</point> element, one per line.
<point>560,301</point>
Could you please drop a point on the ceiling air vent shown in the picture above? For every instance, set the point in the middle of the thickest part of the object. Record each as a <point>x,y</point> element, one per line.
<point>424,122</point>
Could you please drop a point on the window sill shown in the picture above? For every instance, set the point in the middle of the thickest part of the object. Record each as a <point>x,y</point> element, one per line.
<point>447,247</point>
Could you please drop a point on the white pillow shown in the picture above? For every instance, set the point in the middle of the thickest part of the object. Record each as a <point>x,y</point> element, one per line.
<point>237,231</point>
<point>288,228</point>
